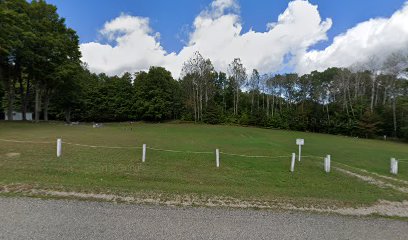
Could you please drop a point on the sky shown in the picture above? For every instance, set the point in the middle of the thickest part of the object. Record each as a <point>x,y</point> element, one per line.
<point>272,36</point>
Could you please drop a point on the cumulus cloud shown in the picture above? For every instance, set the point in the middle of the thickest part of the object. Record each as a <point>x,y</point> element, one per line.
<point>220,38</point>
<point>377,38</point>
<point>217,34</point>
<point>135,47</point>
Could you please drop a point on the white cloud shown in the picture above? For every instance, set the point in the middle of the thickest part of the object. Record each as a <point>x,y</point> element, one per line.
<point>376,37</point>
<point>217,34</point>
<point>136,47</point>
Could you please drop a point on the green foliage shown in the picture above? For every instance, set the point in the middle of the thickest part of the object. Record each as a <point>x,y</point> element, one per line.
<point>155,93</point>
<point>40,69</point>
<point>213,114</point>
<point>369,125</point>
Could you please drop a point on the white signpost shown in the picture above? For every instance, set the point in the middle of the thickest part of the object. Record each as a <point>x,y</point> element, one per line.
<point>300,142</point>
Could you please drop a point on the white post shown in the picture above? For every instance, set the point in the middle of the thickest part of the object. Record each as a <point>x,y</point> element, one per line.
<point>391,163</point>
<point>217,157</point>
<point>59,147</point>
<point>327,163</point>
<point>394,166</point>
<point>300,151</point>
<point>292,164</point>
<point>144,153</point>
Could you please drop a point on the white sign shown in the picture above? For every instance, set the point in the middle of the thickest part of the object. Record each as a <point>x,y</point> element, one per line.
<point>300,142</point>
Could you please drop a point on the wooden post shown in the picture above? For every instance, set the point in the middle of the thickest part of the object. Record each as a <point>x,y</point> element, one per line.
<point>217,157</point>
<point>59,147</point>
<point>144,153</point>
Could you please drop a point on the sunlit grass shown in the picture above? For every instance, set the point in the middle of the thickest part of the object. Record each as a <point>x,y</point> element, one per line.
<point>121,170</point>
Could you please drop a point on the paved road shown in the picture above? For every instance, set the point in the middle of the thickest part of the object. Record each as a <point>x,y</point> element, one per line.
<point>25,218</point>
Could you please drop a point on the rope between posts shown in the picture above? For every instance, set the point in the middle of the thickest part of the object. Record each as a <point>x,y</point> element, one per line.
<point>98,146</point>
<point>248,156</point>
<point>311,156</point>
<point>177,151</point>
<point>19,141</point>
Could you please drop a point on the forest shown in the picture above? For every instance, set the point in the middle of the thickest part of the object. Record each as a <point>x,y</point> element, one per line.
<point>41,72</point>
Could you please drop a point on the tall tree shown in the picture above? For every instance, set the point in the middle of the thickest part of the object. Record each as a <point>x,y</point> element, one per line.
<point>395,65</point>
<point>155,95</point>
<point>238,76</point>
<point>253,85</point>
<point>14,35</point>
<point>55,45</point>
<point>198,74</point>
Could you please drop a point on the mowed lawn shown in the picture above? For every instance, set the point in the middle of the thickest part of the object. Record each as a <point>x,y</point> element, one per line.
<point>103,170</point>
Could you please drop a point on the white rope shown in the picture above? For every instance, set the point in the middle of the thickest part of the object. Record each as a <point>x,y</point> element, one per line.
<point>18,141</point>
<point>177,151</point>
<point>98,146</point>
<point>311,156</point>
<point>249,156</point>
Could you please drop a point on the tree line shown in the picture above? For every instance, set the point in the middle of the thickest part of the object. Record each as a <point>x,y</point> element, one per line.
<point>41,72</point>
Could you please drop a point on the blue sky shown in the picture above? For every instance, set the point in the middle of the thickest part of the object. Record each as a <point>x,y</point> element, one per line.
<point>171,18</point>
<point>174,19</point>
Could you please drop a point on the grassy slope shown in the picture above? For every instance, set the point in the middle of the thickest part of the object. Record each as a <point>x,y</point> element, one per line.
<point>121,170</point>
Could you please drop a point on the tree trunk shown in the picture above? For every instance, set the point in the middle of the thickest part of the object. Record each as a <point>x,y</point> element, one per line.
<point>68,115</point>
<point>237,102</point>
<point>22,96</point>
<point>26,97</point>
<point>11,97</point>
<point>252,101</point>
<point>223,99</point>
<point>267,105</point>
<point>37,102</point>
<point>394,114</point>
<point>372,94</point>
<point>46,104</point>
<point>201,104</point>
<point>273,104</point>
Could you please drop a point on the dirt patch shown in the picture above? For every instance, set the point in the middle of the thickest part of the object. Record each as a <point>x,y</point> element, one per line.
<point>373,181</point>
<point>386,177</point>
<point>10,155</point>
<point>384,208</point>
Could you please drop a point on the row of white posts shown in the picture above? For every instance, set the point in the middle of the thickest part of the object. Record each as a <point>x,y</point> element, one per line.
<point>327,159</point>
<point>217,152</point>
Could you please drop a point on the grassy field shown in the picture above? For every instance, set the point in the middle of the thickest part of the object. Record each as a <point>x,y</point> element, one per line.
<point>121,171</point>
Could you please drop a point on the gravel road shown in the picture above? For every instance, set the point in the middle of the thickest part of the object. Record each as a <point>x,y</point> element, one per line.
<point>26,218</point>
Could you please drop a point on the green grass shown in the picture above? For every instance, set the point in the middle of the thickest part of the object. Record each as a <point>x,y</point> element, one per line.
<point>121,170</point>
